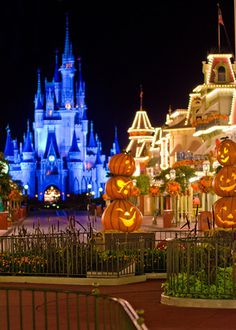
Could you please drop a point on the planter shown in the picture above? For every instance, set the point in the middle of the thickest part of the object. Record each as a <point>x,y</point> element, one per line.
<point>168,216</point>
<point>129,270</point>
<point>204,220</point>
<point>3,220</point>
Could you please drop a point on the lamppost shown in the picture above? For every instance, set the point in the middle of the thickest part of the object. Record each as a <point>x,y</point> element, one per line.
<point>100,191</point>
<point>174,198</point>
<point>206,169</point>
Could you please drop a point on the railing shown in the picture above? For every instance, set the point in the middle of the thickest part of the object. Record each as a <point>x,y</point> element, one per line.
<point>44,308</point>
<point>202,268</point>
<point>71,255</point>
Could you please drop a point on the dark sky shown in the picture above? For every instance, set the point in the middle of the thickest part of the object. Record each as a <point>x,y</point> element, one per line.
<point>121,47</point>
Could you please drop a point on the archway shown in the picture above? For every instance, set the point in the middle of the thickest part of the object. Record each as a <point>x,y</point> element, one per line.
<point>52,195</point>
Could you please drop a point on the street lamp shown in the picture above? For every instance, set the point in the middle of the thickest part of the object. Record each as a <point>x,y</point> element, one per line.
<point>174,198</point>
<point>100,191</point>
<point>206,169</point>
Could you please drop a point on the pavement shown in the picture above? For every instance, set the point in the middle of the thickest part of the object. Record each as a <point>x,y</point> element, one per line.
<point>60,220</point>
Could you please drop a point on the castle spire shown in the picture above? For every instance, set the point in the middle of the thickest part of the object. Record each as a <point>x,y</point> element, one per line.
<point>67,38</point>
<point>9,147</point>
<point>92,141</point>
<point>74,146</point>
<point>56,70</point>
<point>28,142</point>
<point>39,96</point>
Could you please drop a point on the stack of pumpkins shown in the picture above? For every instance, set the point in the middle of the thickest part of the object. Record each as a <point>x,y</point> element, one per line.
<point>224,185</point>
<point>121,214</point>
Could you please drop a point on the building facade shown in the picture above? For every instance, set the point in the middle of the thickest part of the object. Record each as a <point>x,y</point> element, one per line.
<point>63,155</point>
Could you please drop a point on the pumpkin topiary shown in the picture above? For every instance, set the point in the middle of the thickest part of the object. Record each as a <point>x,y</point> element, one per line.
<point>224,183</point>
<point>122,164</point>
<point>119,187</point>
<point>225,212</point>
<point>226,152</point>
<point>121,215</point>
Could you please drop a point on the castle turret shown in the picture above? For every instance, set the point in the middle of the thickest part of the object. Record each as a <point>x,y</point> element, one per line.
<point>115,146</point>
<point>67,70</point>
<point>9,147</point>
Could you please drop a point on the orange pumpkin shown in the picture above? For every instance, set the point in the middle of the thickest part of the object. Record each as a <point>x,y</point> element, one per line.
<point>224,183</point>
<point>121,215</point>
<point>119,187</point>
<point>225,212</point>
<point>226,152</point>
<point>122,164</point>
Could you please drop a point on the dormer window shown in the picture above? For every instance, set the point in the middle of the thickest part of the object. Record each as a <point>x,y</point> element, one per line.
<point>221,74</point>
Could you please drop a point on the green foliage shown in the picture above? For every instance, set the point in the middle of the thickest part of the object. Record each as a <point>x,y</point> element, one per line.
<point>185,285</point>
<point>183,174</point>
<point>143,183</point>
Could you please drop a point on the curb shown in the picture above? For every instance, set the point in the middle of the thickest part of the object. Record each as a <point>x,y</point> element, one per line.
<point>73,281</point>
<point>198,303</point>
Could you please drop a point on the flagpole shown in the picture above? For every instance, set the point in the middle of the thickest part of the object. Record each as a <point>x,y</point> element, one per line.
<point>218,26</point>
<point>234,29</point>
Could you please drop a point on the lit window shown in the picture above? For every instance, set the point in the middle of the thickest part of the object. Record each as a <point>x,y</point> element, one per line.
<point>221,74</point>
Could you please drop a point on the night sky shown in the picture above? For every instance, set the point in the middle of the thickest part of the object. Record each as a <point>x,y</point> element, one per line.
<point>121,47</point>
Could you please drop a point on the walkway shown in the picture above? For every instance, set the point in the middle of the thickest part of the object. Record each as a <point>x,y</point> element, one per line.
<point>160,317</point>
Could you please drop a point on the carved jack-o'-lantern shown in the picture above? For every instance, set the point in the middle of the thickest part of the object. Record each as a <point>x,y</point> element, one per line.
<point>122,164</point>
<point>121,215</point>
<point>119,187</point>
<point>226,152</point>
<point>224,183</point>
<point>225,212</point>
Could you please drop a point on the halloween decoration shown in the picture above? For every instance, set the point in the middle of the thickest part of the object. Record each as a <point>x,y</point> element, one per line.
<point>122,215</point>
<point>119,187</point>
<point>224,183</point>
<point>122,164</point>
<point>225,212</point>
<point>205,184</point>
<point>226,152</point>
<point>154,190</point>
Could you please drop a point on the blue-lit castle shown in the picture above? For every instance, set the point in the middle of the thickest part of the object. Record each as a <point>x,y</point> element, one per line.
<point>63,156</point>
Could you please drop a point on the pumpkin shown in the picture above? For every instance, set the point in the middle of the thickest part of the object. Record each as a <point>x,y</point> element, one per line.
<point>154,190</point>
<point>205,184</point>
<point>224,183</point>
<point>121,215</point>
<point>119,187</point>
<point>135,191</point>
<point>122,164</point>
<point>226,152</point>
<point>225,212</point>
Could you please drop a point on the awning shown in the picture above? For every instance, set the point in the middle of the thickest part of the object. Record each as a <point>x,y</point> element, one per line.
<point>193,145</point>
<point>205,149</point>
<point>177,148</point>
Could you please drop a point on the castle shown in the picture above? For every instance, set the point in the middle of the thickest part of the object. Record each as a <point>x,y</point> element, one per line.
<point>63,156</point>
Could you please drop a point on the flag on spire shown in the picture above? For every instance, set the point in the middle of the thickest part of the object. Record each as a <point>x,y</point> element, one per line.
<point>220,18</point>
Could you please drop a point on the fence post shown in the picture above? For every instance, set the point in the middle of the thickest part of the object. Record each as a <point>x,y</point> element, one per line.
<point>117,257</point>
<point>141,245</point>
<point>234,269</point>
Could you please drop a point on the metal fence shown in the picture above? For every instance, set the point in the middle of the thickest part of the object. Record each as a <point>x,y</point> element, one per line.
<point>202,268</point>
<point>82,255</point>
<point>44,308</point>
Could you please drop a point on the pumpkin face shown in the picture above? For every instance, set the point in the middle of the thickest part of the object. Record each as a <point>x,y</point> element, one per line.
<point>224,183</point>
<point>225,212</point>
<point>119,187</point>
<point>226,153</point>
<point>121,215</point>
<point>122,164</point>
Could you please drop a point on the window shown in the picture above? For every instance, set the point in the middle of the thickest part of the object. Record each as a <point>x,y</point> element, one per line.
<point>221,74</point>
